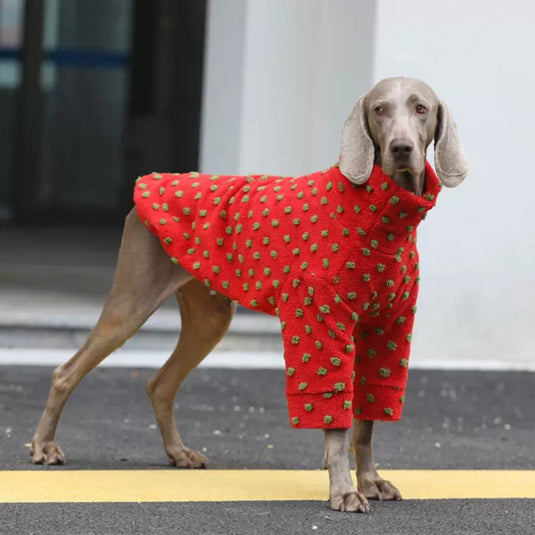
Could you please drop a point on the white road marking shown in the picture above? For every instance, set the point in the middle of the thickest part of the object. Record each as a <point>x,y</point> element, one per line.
<point>132,358</point>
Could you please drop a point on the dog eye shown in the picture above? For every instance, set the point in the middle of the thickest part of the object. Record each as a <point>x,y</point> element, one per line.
<point>420,108</point>
<point>379,110</point>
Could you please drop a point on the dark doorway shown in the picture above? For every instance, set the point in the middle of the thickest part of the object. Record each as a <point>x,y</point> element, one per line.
<point>103,91</point>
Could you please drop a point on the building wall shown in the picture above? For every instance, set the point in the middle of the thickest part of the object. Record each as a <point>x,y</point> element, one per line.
<point>478,260</point>
<point>282,75</point>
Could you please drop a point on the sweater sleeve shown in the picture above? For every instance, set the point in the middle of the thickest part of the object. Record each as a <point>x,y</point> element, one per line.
<point>317,331</point>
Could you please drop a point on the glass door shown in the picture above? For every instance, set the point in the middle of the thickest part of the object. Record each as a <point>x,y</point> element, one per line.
<point>11,13</point>
<point>93,93</point>
<point>84,78</point>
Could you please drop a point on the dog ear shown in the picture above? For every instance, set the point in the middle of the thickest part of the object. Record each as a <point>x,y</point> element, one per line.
<point>357,151</point>
<point>450,164</point>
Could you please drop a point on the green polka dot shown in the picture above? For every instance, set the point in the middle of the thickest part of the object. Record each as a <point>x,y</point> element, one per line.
<point>392,346</point>
<point>327,419</point>
<point>308,407</point>
<point>196,265</point>
<point>335,361</point>
<point>295,420</point>
<point>302,386</point>
<point>384,372</point>
<point>404,363</point>
<point>338,387</point>
<point>370,398</point>
<point>291,371</point>
<point>389,411</point>
<point>305,357</point>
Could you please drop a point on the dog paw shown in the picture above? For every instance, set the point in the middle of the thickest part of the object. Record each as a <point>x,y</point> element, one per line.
<point>185,458</point>
<point>46,453</point>
<point>351,501</point>
<point>376,488</point>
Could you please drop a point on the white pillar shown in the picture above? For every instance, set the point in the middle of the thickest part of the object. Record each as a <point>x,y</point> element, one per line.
<point>302,66</point>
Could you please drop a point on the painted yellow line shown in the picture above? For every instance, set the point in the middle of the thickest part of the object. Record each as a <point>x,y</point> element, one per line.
<point>246,485</point>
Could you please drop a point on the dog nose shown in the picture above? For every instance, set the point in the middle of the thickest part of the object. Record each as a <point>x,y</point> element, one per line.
<point>400,148</point>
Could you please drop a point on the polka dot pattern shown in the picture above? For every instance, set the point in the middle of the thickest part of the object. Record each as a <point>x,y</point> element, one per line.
<point>336,262</point>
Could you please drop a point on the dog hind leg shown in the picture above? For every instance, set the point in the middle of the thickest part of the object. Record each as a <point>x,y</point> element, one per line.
<point>144,278</point>
<point>206,317</point>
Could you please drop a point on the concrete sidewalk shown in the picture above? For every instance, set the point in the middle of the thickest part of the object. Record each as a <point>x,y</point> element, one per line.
<point>54,282</point>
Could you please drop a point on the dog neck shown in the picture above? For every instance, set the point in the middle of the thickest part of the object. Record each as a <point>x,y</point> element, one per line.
<point>412,183</point>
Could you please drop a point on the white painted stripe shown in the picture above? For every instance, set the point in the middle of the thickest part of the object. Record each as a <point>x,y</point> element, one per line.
<point>233,360</point>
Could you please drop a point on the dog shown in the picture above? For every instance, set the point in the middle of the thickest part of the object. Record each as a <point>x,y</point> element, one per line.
<point>329,300</point>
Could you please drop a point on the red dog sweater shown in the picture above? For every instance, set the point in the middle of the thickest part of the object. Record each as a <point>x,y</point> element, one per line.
<point>335,261</point>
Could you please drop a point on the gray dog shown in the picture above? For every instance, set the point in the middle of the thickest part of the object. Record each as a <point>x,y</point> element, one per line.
<point>389,129</point>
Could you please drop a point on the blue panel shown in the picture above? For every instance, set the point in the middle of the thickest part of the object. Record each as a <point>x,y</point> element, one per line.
<point>76,57</point>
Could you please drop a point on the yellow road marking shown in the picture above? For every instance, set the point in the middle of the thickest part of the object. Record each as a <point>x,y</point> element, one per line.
<point>31,486</point>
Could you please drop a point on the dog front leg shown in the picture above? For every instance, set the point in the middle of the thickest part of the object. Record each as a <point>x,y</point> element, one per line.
<point>369,482</point>
<point>342,493</point>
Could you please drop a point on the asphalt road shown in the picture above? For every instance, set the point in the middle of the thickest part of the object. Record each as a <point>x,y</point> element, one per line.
<point>478,420</point>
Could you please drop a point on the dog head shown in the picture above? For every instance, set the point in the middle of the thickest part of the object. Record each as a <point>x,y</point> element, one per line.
<point>392,125</point>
